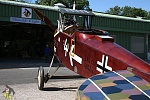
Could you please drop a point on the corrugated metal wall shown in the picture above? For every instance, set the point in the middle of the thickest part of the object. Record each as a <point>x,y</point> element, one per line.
<point>7,11</point>
<point>121,24</point>
<point>124,39</point>
<point>122,29</point>
<point>52,15</point>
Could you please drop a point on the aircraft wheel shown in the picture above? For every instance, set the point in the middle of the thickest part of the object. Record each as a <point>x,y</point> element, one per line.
<point>40,78</point>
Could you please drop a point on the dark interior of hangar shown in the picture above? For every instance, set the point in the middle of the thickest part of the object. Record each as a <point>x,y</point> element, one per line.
<point>19,40</point>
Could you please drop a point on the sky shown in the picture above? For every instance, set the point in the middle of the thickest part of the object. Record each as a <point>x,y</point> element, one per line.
<point>104,5</point>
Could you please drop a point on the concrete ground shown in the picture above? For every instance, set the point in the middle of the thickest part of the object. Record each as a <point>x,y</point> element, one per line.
<point>62,90</point>
<point>56,90</point>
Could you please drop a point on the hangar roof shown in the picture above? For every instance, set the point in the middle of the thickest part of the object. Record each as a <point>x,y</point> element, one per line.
<point>28,5</point>
<point>119,17</point>
<point>64,10</point>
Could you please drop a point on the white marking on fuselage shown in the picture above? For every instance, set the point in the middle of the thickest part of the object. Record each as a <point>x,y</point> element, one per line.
<point>66,48</point>
<point>104,62</point>
<point>56,33</point>
<point>74,56</point>
<point>106,66</point>
<point>59,39</point>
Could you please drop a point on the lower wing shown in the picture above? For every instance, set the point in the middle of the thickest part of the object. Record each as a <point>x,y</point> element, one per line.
<point>114,85</point>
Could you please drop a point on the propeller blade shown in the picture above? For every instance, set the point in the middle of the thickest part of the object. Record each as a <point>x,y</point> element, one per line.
<point>45,19</point>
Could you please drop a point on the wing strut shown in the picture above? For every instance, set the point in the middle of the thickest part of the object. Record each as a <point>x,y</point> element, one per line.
<point>48,75</point>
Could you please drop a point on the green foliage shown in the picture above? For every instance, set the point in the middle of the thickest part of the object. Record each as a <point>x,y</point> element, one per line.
<point>126,11</point>
<point>148,16</point>
<point>129,12</point>
<point>114,11</point>
<point>133,12</point>
<point>80,4</point>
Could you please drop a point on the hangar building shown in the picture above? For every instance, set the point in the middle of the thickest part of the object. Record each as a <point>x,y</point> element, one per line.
<point>23,34</point>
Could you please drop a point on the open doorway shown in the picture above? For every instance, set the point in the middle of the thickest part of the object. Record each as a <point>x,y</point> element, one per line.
<point>24,40</point>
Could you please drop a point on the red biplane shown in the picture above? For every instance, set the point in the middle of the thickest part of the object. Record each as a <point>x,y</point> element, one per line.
<point>88,51</point>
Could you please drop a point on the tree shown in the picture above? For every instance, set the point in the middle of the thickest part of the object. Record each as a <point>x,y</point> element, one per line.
<point>133,12</point>
<point>80,4</point>
<point>114,11</point>
<point>148,16</point>
<point>128,12</point>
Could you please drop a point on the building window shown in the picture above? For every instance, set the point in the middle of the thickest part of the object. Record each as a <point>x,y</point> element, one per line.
<point>137,44</point>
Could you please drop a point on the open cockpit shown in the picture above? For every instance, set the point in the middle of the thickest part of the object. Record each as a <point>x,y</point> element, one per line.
<point>70,20</point>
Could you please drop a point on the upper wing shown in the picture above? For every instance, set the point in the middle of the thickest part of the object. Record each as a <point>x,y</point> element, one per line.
<point>114,85</point>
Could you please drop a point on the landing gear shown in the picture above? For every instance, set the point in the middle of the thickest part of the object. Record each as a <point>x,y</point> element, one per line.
<point>40,78</point>
<point>43,79</point>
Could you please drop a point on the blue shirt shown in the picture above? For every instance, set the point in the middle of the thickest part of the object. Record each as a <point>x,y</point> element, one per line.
<point>47,51</point>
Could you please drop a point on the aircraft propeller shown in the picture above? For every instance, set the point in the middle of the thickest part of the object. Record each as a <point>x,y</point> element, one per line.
<point>45,19</point>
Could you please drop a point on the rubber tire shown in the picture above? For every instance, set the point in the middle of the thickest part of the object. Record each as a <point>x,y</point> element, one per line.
<point>40,78</point>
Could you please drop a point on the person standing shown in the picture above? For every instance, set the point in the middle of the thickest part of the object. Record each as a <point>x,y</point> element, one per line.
<point>47,53</point>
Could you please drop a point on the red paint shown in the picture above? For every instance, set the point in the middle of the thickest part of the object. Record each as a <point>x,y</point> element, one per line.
<point>91,48</point>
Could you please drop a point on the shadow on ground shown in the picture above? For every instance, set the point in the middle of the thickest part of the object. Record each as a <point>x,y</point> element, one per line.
<point>60,89</point>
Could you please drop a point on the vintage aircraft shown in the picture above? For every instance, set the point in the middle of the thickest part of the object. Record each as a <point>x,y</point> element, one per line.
<point>85,50</point>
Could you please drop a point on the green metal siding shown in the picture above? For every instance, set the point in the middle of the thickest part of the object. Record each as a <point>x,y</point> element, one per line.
<point>7,11</point>
<point>121,24</point>
<point>122,27</point>
<point>102,21</point>
<point>10,11</point>
<point>124,39</point>
<point>123,30</point>
<point>52,15</point>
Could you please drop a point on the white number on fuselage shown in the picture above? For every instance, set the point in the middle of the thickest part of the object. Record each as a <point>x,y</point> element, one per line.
<point>66,47</point>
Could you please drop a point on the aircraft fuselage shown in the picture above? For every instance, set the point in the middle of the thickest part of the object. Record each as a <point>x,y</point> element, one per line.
<point>88,54</point>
